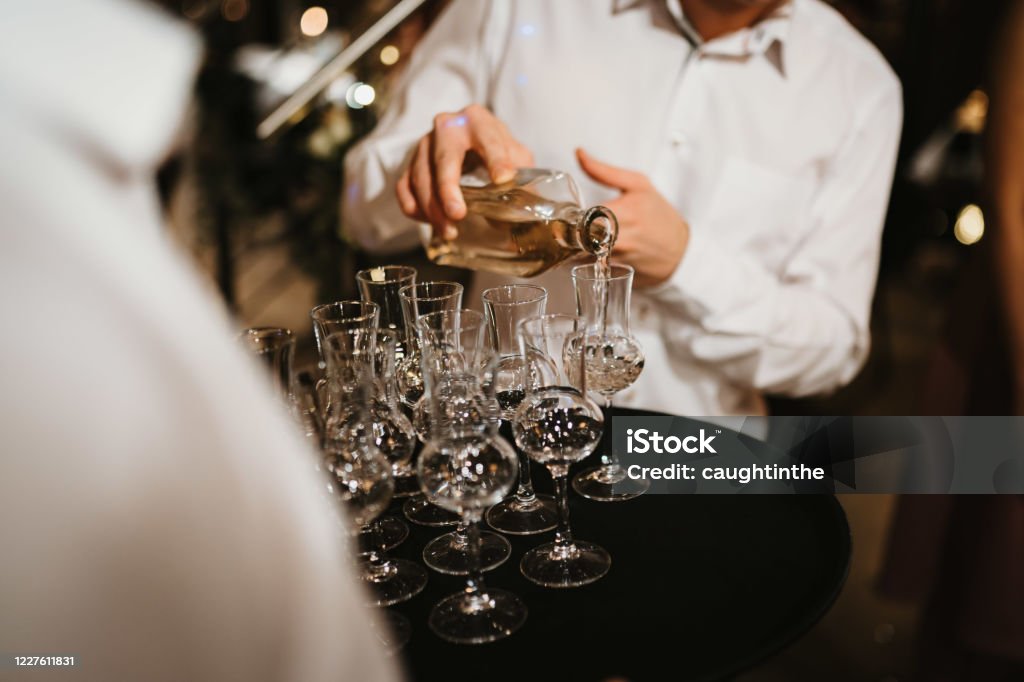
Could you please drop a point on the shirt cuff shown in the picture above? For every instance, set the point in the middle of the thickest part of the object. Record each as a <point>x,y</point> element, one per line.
<point>712,279</point>
<point>697,271</point>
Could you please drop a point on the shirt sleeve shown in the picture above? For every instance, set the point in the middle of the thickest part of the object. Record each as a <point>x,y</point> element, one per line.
<point>803,330</point>
<point>450,69</point>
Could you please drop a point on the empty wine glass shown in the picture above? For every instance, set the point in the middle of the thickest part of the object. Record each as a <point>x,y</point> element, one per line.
<point>558,424</point>
<point>613,360</point>
<point>275,347</point>
<point>466,467</point>
<point>341,315</point>
<point>361,473</point>
<point>381,285</point>
<point>391,431</point>
<point>458,366</point>
<point>418,300</point>
<point>525,513</point>
<point>421,299</point>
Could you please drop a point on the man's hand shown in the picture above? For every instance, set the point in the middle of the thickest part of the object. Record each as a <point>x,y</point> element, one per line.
<point>652,236</point>
<point>429,187</point>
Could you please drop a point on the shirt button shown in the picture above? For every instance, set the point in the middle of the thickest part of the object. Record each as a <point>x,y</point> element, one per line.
<point>678,138</point>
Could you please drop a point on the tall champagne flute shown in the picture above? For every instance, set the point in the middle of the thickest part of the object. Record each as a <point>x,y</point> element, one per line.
<point>346,317</point>
<point>359,468</point>
<point>393,434</point>
<point>418,300</point>
<point>340,315</point>
<point>466,467</point>
<point>381,285</point>
<point>458,370</point>
<point>557,425</point>
<point>613,360</point>
<point>525,513</point>
<point>275,346</point>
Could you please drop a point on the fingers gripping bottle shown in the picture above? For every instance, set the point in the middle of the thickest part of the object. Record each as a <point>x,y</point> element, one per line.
<point>525,226</point>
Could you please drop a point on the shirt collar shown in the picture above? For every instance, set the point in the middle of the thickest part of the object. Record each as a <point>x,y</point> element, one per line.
<point>765,39</point>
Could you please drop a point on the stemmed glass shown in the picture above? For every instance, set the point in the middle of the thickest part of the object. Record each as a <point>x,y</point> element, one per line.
<point>361,472</point>
<point>525,513</point>
<point>458,370</point>
<point>393,434</point>
<point>275,346</point>
<point>380,285</point>
<point>417,300</point>
<point>613,360</point>
<point>341,315</point>
<point>557,425</point>
<point>466,467</point>
<point>346,317</point>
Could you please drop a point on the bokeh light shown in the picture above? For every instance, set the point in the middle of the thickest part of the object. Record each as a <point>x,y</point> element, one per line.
<point>389,54</point>
<point>970,225</point>
<point>360,95</point>
<point>234,10</point>
<point>313,21</point>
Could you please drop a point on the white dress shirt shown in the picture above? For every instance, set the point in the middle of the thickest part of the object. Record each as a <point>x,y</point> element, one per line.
<point>159,515</point>
<point>776,143</point>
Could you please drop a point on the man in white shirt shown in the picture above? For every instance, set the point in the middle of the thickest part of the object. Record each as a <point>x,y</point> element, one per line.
<point>746,146</point>
<point>159,516</point>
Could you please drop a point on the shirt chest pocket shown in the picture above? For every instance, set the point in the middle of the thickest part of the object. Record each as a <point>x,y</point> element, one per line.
<point>758,210</point>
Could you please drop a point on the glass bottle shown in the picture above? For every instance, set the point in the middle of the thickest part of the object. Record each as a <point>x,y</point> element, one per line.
<point>524,226</point>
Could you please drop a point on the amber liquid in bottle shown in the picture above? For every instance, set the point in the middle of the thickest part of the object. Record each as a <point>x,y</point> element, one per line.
<point>511,230</point>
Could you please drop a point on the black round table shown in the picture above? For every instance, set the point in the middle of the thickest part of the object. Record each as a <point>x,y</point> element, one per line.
<point>700,588</point>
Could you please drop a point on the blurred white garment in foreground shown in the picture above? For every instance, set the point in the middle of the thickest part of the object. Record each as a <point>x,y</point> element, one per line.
<point>159,516</point>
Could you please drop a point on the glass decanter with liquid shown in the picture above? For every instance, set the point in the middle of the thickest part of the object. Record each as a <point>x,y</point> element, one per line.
<point>525,226</point>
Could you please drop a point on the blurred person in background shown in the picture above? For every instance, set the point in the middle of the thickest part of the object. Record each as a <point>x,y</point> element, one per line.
<point>1005,180</point>
<point>746,146</point>
<point>159,516</point>
<point>963,556</point>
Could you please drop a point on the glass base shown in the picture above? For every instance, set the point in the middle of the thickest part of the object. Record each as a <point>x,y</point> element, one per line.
<point>391,532</point>
<point>552,566</point>
<point>608,484</point>
<point>524,518</point>
<point>476,619</point>
<point>396,581</point>
<point>406,486</point>
<point>392,630</point>
<point>446,554</point>
<point>421,512</point>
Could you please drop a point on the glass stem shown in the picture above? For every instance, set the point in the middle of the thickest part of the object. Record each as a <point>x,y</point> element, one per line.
<point>563,534</point>
<point>378,563</point>
<point>461,536</point>
<point>475,579</point>
<point>609,461</point>
<point>524,493</point>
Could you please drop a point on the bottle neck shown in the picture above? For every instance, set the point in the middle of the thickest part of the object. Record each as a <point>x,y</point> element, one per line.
<point>594,230</point>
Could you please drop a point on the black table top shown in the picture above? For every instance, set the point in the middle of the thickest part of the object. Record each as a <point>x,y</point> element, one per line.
<point>700,588</point>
